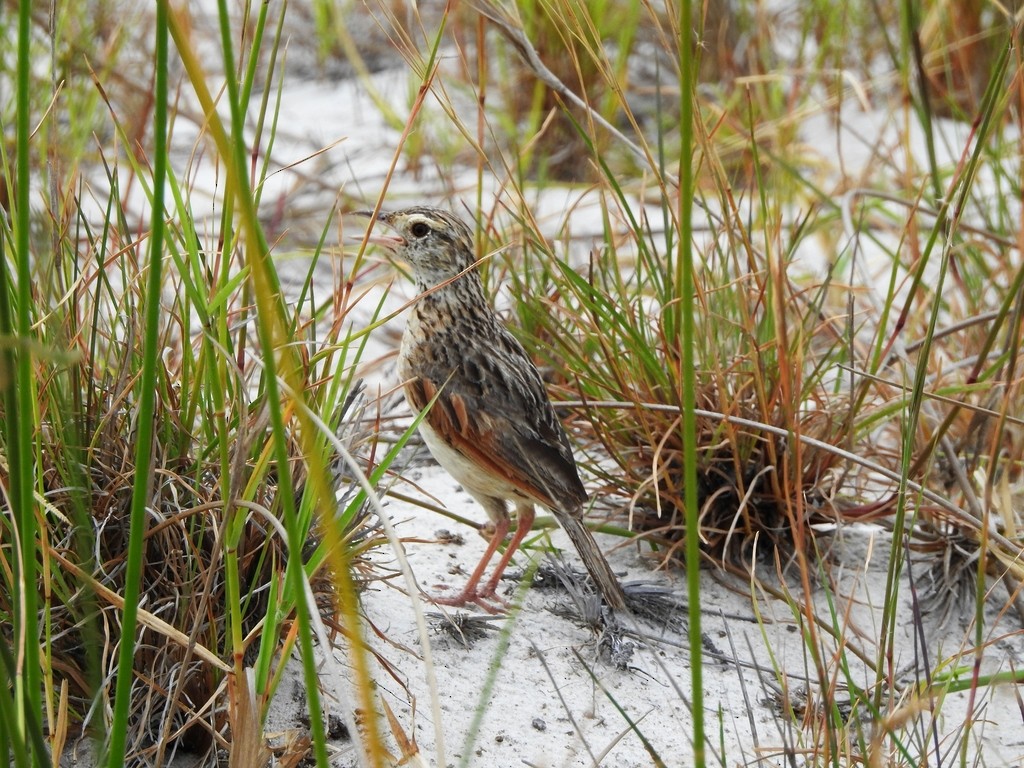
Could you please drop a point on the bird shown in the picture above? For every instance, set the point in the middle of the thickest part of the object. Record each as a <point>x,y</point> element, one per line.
<point>488,420</point>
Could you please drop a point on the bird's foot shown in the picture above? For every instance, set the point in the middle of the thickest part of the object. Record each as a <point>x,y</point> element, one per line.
<point>485,599</point>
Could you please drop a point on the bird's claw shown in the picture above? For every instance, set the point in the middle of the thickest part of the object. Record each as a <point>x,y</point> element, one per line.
<point>485,599</point>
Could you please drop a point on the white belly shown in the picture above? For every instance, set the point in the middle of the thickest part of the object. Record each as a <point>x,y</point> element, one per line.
<point>471,478</point>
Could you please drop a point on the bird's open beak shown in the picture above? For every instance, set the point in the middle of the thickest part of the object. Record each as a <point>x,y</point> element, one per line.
<point>389,242</point>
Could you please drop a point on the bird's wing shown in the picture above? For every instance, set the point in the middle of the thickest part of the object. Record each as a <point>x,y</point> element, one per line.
<point>494,410</point>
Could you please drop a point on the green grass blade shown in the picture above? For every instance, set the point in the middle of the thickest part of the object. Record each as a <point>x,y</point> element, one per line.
<point>16,333</point>
<point>147,398</point>
<point>685,310</point>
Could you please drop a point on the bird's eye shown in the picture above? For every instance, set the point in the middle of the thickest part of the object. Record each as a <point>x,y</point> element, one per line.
<point>419,229</point>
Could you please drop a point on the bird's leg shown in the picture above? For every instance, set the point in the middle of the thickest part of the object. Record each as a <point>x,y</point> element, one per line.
<point>469,593</point>
<point>524,522</point>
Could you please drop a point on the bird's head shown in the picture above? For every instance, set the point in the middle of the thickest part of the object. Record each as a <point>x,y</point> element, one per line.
<point>435,243</point>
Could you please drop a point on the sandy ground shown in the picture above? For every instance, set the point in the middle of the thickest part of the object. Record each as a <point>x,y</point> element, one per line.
<point>534,689</point>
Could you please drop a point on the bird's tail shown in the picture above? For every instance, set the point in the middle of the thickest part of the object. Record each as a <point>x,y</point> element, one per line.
<point>594,560</point>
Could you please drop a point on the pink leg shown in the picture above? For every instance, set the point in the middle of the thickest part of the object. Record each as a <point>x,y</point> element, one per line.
<point>525,514</point>
<point>469,593</point>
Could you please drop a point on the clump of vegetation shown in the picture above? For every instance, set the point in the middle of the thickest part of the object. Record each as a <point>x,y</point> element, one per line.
<point>171,527</point>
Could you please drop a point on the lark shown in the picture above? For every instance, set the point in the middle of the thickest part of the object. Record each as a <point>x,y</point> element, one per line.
<point>488,419</point>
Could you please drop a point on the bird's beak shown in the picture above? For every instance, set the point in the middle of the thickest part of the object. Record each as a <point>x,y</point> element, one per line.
<point>389,242</point>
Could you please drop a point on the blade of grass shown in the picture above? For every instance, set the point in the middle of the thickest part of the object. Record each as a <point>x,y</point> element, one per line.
<point>16,331</point>
<point>269,323</point>
<point>147,396</point>
<point>684,311</point>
